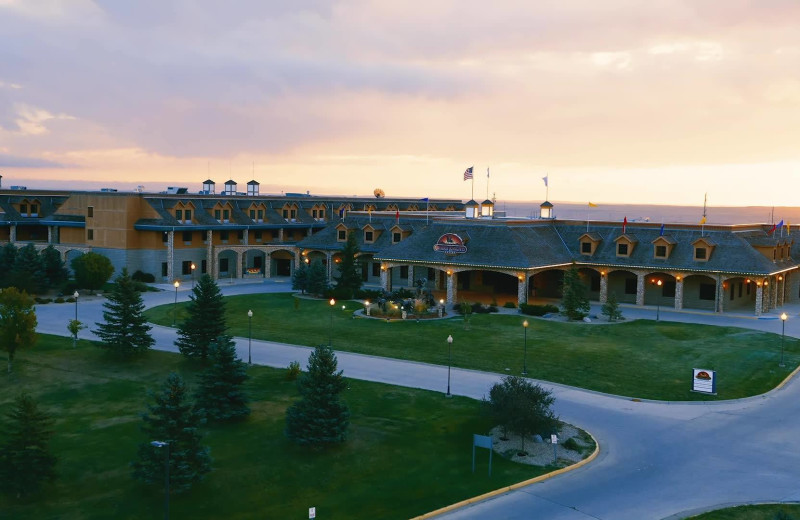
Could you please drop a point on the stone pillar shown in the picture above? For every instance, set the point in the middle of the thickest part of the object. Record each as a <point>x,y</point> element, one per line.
<point>767,297</point>
<point>280,235</point>
<point>759,299</point>
<point>329,260</point>
<point>603,288</point>
<point>678,293</point>
<point>411,276</point>
<point>522,289</point>
<point>781,290</point>
<point>385,278</point>
<point>773,302</point>
<point>12,234</point>
<point>720,295</point>
<point>211,267</point>
<point>268,264</point>
<point>451,288</point>
<point>238,263</point>
<point>49,234</point>
<point>640,289</point>
<point>437,275</point>
<point>247,237</point>
<point>170,255</point>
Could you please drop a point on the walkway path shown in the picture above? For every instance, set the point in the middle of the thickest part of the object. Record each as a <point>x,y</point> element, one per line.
<point>657,460</point>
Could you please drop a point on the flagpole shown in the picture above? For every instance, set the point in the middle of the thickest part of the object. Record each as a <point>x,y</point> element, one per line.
<point>473,188</point>
<point>487,183</point>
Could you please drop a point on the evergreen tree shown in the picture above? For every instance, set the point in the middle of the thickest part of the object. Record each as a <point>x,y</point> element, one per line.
<point>8,254</point>
<point>317,282</point>
<point>17,322</point>
<point>171,419</point>
<point>205,320</point>
<point>575,303</point>
<point>349,279</point>
<point>25,460</point>
<point>92,270</point>
<point>28,272</point>
<point>319,417</point>
<point>125,331</point>
<point>55,270</point>
<point>300,278</point>
<point>220,396</point>
<point>611,308</point>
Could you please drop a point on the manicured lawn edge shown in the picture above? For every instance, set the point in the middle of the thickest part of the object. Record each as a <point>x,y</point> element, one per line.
<point>739,511</point>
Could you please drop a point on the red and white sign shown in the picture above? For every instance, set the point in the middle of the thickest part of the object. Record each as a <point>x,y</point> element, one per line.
<point>450,244</point>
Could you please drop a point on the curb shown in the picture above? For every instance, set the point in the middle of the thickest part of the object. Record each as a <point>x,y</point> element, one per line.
<point>513,487</point>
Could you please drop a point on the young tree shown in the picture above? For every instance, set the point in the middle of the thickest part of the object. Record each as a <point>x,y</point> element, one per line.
<point>611,308</point>
<point>317,278</point>
<point>172,420</point>
<point>300,278</point>
<point>220,396</point>
<point>205,320</point>
<point>574,304</point>
<point>320,417</point>
<point>125,331</point>
<point>17,322</point>
<point>28,272</point>
<point>349,279</point>
<point>8,255</point>
<point>55,270</point>
<point>92,270</point>
<point>522,407</point>
<point>25,460</point>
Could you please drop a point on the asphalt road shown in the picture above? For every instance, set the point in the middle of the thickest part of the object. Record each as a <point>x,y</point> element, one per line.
<point>657,460</point>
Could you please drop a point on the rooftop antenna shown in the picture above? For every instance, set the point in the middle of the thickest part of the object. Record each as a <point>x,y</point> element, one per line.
<point>487,182</point>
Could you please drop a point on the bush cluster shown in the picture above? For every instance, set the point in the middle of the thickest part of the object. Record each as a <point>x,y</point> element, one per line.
<point>476,308</point>
<point>537,310</point>
<point>139,276</point>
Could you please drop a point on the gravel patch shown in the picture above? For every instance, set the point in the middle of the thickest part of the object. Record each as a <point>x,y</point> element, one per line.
<point>541,453</point>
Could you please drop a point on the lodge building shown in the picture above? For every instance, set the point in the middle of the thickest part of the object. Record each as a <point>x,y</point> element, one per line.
<point>460,249</point>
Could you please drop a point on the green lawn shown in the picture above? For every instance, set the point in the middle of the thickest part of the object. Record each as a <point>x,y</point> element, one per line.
<point>765,512</point>
<point>643,359</point>
<point>409,451</point>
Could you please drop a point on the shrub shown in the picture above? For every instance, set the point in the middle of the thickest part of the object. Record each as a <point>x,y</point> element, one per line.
<point>293,370</point>
<point>340,293</point>
<point>510,305</point>
<point>69,287</point>
<point>368,294</point>
<point>70,300</point>
<point>401,294</point>
<point>572,445</point>
<point>139,286</point>
<point>61,300</point>
<point>537,310</point>
<point>140,276</point>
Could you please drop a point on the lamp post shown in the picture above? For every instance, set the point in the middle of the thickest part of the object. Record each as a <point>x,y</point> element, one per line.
<point>161,444</point>
<point>658,283</point>
<point>783,335</point>
<point>330,327</point>
<point>175,304</point>
<point>75,337</point>
<point>249,337</point>
<point>525,355</point>
<point>441,308</point>
<point>193,267</point>
<point>449,362</point>
<point>366,307</point>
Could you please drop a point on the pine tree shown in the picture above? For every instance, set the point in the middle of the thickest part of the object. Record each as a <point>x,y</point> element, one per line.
<point>17,322</point>
<point>611,308</point>
<point>574,304</point>
<point>55,270</point>
<point>319,417</point>
<point>28,272</point>
<point>8,254</point>
<point>172,420</point>
<point>205,321</point>
<point>25,460</point>
<point>300,278</point>
<point>317,278</point>
<point>349,279</point>
<point>220,396</point>
<point>125,331</point>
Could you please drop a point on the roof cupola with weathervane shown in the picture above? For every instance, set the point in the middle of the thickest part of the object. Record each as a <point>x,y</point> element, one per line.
<point>209,187</point>
<point>252,188</point>
<point>546,210</point>
<point>230,187</point>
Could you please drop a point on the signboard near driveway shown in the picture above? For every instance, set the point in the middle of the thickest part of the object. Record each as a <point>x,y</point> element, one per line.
<point>704,381</point>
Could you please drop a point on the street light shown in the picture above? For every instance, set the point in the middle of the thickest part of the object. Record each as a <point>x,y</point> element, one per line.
<point>75,338</point>
<point>175,305</point>
<point>658,283</point>
<point>525,355</point>
<point>193,267</point>
<point>449,360</point>
<point>330,328</point>
<point>249,336</point>
<point>366,307</point>
<point>441,308</point>
<point>783,335</point>
<point>161,444</point>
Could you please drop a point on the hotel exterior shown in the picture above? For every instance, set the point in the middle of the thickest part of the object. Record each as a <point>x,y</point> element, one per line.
<point>460,249</point>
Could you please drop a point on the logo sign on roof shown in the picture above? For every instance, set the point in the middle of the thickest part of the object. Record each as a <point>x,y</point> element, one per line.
<point>704,381</point>
<point>450,244</point>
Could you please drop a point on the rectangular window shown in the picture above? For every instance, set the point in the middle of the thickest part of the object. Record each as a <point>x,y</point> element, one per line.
<point>223,265</point>
<point>223,235</point>
<point>186,267</point>
<point>35,210</point>
<point>707,291</point>
<point>164,270</point>
<point>342,235</point>
<point>376,269</point>
<point>165,237</point>
<point>396,237</point>
<point>23,209</point>
<point>240,235</point>
<point>403,271</point>
<point>187,237</point>
<point>90,234</point>
<point>699,253</point>
<point>252,214</point>
<point>258,235</point>
<point>314,213</point>
<point>286,213</point>
<point>187,215</point>
<point>586,248</point>
<point>179,214</point>
<point>622,249</point>
<point>748,289</point>
<point>740,289</point>
<point>226,214</point>
<point>293,214</point>
<point>630,285</point>
<point>203,266</point>
<point>368,236</point>
<point>322,213</point>
<point>217,215</point>
<point>733,291</point>
<point>90,211</point>
<point>668,289</point>
<point>260,214</point>
<point>661,251</point>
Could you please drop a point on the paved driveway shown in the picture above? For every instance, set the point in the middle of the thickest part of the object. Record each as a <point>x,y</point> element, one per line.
<point>658,460</point>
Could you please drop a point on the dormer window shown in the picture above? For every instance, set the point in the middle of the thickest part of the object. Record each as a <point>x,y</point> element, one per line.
<point>34,210</point>
<point>589,243</point>
<point>622,249</point>
<point>369,236</point>
<point>586,248</point>
<point>178,215</point>
<point>217,215</point>
<point>662,246</point>
<point>23,210</point>
<point>625,244</point>
<point>703,247</point>
<point>226,215</point>
<point>396,237</point>
<point>661,251</point>
<point>187,216</point>
<point>341,235</point>
<point>700,253</point>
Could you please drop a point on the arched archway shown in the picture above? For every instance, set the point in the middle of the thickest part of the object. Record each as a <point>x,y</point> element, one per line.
<point>546,284</point>
<point>623,285</point>
<point>659,294</point>
<point>281,262</point>
<point>591,279</point>
<point>699,292</point>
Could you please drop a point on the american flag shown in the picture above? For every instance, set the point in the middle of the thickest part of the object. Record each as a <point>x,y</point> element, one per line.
<point>468,173</point>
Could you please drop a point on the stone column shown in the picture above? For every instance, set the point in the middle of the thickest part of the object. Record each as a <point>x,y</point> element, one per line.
<point>280,235</point>
<point>437,274</point>
<point>759,299</point>
<point>766,295</point>
<point>640,289</point>
<point>12,234</point>
<point>451,288</point>
<point>171,255</point>
<point>411,276</point>
<point>773,302</point>
<point>247,237</point>
<point>781,290</point>
<point>720,294</point>
<point>385,278</point>
<point>211,267</point>
<point>49,234</point>
<point>522,289</point>
<point>603,288</point>
<point>678,293</point>
<point>329,260</point>
<point>238,263</point>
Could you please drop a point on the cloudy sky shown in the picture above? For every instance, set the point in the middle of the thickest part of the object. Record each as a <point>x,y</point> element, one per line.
<point>614,100</point>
